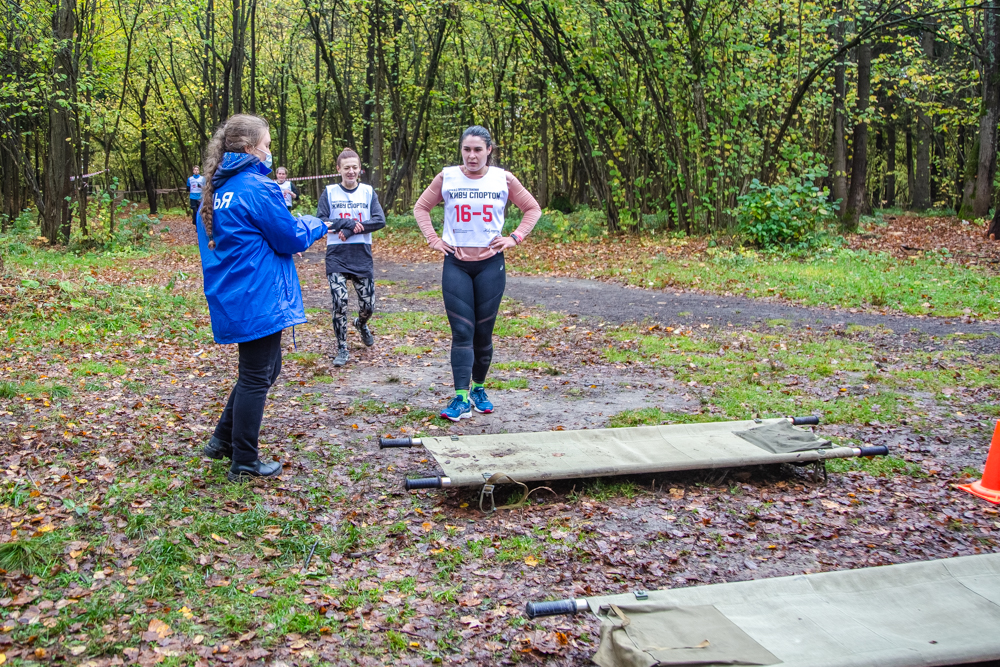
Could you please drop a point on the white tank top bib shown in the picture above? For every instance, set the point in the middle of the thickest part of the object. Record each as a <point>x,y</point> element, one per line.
<point>354,205</point>
<point>286,192</point>
<point>473,207</point>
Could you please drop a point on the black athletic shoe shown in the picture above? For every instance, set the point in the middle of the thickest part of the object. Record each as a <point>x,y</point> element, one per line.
<point>245,472</point>
<point>217,449</point>
<point>342,357</point>
<point>366,335</point>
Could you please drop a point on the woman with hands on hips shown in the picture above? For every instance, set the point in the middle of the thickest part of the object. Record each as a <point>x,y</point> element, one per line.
<point>475,197</point>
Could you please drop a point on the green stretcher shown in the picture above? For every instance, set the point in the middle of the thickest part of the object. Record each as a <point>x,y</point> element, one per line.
<point>942,612</point>
<point>486,460</point>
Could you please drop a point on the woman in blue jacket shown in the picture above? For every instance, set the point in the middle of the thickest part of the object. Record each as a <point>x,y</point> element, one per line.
<point>247,238</point>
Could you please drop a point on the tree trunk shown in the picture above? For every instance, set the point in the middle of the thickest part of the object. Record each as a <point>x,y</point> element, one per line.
<point>856,197</point>
<point>921,195</point>
<point>890,164</point>
<point>839,134</point>
<point>148,180</point>
<point>10,179</point>
<point>320,114</point>
<point>377,167</point>
<point>62,154</point>
<point>909,158</point>
<point>969,171</point>
<point>253,56</point>
<point>543,148</point>
<point>960,159</point>
<point>938,170</point>
<point>989,113</point>
<point>237,56</point>
<point>369,103</point>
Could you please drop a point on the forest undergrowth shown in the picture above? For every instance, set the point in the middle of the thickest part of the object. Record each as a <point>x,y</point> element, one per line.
<point>120,543</point>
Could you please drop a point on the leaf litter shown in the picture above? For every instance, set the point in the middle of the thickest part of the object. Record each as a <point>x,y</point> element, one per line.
<point>120,544</point>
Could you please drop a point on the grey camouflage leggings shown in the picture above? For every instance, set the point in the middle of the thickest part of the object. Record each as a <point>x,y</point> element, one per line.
<point>365,288</point>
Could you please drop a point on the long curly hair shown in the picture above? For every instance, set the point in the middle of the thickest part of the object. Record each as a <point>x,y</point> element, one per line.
<point>238,134</point>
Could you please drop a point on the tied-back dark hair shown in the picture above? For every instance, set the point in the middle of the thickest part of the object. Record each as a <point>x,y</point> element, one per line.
<point>482,133</point>
<point>237,135</point>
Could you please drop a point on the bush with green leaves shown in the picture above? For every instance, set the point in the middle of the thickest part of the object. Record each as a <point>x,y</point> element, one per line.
<point>584,224</point>
<point>787,213</point>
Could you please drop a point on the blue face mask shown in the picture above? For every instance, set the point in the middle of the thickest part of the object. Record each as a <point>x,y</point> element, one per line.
<point>268,160</point>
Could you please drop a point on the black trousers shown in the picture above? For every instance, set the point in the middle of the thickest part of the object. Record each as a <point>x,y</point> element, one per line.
<point>195,205</point>
<point>472,293</point>
<point>260,364</point>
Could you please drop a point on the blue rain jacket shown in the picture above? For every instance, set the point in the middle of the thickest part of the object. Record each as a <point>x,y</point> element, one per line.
<point>251,283</point>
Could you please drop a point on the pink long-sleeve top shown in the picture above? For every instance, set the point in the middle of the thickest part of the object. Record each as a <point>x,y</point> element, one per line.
<point>516,193</point>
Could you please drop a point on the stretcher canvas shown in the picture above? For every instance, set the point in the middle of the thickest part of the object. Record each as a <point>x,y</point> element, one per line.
<point>469,460</point>
<point>943,612</point>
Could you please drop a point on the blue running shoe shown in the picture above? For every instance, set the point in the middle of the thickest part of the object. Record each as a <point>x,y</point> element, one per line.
<point>457,409</point>
<point>480,402</point>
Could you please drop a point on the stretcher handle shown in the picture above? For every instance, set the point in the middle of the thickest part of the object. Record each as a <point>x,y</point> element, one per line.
<point>877,450</point>
<point>554,608</point>
<point>811,420</point>
<point>427,483</point>
<point>397,442</point>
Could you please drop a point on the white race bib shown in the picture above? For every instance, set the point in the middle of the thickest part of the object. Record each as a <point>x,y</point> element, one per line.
<point>286,192</point>
<point>354,205</point>
<point>473,207</point>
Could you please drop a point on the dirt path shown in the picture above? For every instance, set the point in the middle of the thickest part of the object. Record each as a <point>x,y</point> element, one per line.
<point>620,304</point>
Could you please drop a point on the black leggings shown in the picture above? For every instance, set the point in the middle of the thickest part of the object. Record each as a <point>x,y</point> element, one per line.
<point>260,364</point>
<point>472,293</point>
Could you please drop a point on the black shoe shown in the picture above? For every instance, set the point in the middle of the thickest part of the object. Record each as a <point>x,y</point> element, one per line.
<point>217,449</point>
<point>244,472</point>
<point>342,357</point>
<point>366,335</point>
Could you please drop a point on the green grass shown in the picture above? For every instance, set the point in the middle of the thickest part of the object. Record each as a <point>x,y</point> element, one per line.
<point>412,350</point>
<point>514,383</point>
<point>25,555</point>
<point>526,366</point>
<point>877,466</point>
<point>406,323</point>
<point>654,416</point>
<point>602,490</point>
<point>840,277</point>
<point>304,358</point>
<point>524,325</point>
<point>517,547</point>
<point>50,390</point>
<point>91,368</point>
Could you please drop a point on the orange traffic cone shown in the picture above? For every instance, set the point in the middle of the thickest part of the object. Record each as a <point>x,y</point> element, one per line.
<point>988,488</point>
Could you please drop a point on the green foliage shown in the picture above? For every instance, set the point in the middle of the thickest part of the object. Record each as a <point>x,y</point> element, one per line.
<point>582,225</point>
<point>787,213</point>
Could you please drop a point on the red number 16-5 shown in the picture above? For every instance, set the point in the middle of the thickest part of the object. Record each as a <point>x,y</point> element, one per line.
<point>464,212</point>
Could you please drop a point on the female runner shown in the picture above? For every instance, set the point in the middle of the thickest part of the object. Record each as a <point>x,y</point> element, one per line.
<point>475,196</point>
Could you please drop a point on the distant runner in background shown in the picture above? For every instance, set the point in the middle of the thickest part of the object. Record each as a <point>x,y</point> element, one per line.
<point>353,212</point>
<point>288,189</point>
<point>196,183</point>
